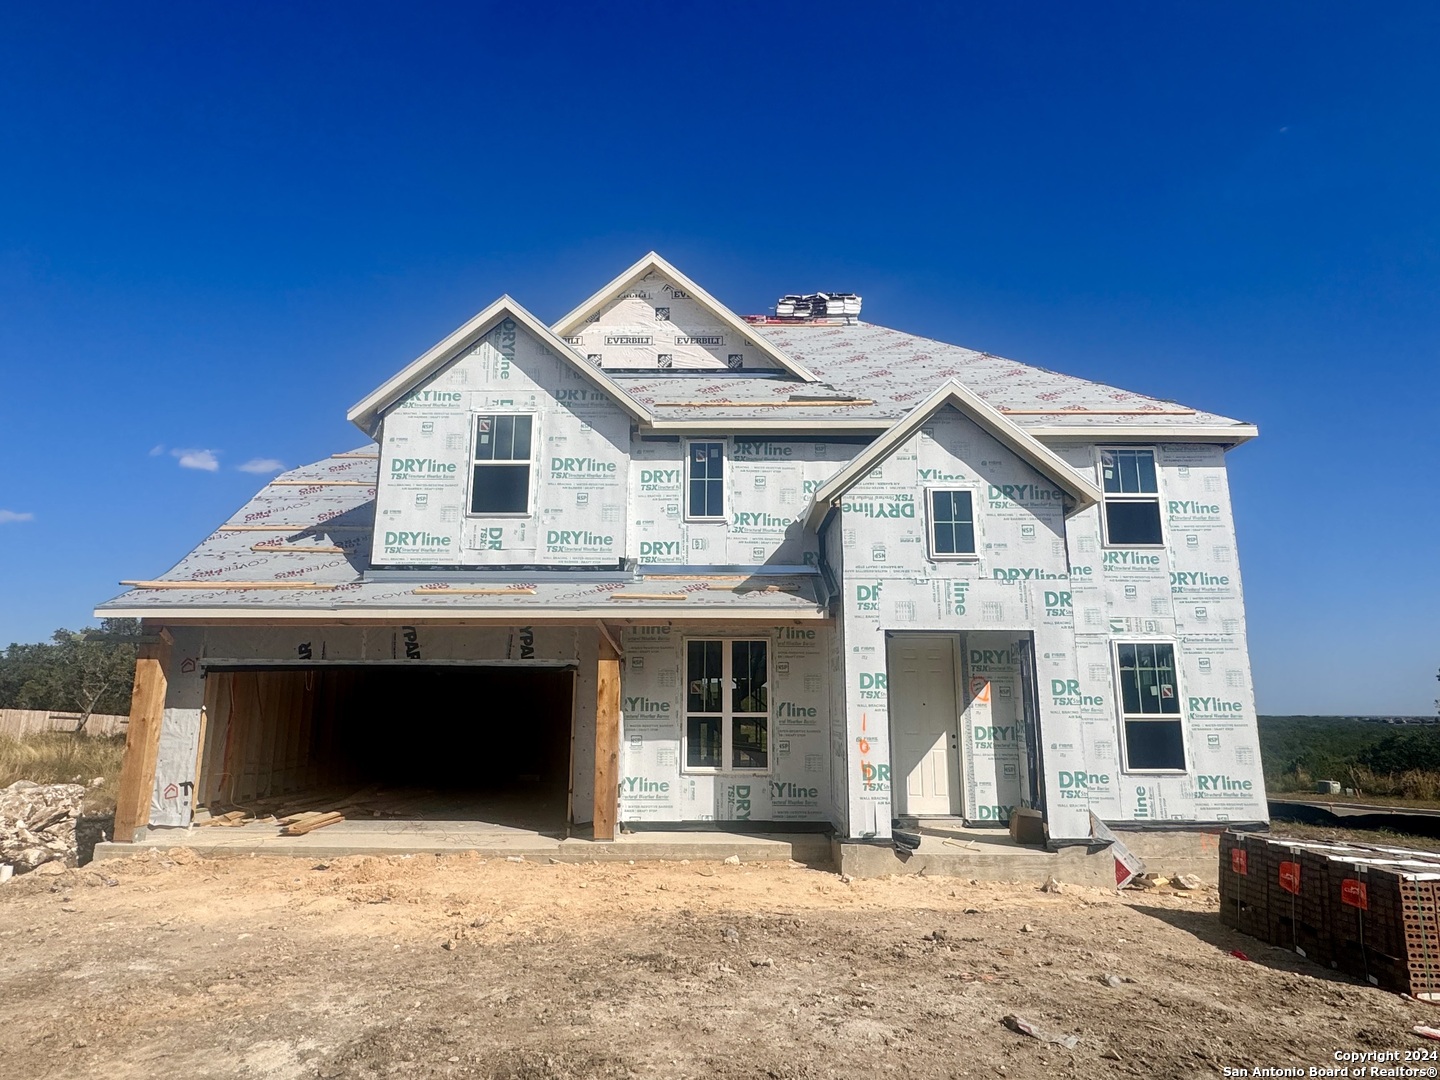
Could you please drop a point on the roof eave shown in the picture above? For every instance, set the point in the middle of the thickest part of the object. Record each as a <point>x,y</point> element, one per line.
<point>640,612</point>
<point>1230,434</point>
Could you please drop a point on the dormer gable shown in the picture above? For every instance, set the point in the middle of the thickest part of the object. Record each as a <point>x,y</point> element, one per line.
<point>1078,489</point>
<point>654,318</point>
<point>370,410</point>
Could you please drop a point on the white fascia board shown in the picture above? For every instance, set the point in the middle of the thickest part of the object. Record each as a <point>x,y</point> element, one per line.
<point>573,321</point>
<point>365,413</point>
<point>1233,434</point>
<point>990,419</point>
<point>492,615</point>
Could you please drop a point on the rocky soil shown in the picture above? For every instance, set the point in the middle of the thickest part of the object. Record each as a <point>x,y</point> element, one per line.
<point>37,824</point>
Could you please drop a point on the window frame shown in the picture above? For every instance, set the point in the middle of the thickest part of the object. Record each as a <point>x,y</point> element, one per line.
<point>473,463</point>
<point>1124,719</point>
<point>1107,497</point>
<point>723,443</point>
<point>959,556</point>
<point>727,712</point>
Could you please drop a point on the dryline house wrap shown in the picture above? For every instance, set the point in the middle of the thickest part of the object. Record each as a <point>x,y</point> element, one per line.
<point>778,571</point>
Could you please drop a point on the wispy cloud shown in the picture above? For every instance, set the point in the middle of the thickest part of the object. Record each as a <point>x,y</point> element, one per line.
<point>197,459</point>
<point>7,516</point>
<point>262,465</point>
<point>157,449</point>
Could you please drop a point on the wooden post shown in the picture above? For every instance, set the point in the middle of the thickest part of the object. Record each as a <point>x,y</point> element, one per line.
<point>607,739</point>
<point>142,744</point>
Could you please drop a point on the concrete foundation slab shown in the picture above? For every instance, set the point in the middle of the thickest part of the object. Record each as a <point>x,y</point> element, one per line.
<point>414,837</point>
<point>952,850</point>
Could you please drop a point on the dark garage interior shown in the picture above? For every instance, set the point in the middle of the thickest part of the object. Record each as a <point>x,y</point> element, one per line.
<point>445,742</point>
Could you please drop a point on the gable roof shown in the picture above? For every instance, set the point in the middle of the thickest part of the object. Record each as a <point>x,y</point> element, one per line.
<point>572,322</point>
<point>990,420</point>
<point>366,413</point>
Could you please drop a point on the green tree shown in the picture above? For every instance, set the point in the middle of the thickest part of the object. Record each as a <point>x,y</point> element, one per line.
<point>86,672</point>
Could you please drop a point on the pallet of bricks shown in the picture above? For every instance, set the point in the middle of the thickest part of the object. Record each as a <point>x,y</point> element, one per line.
<point>1369,911</point>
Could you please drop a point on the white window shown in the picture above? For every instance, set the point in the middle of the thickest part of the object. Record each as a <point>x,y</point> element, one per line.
<point>727,705</point>
<point>1154,734</point>
<point>500,468</point>
<point>1132,497</point>
<point>705,481</point>
<point>952,523</point>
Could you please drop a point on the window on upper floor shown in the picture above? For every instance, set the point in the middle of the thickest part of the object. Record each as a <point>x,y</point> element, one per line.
<point>1132,497</point>
<point>952,523</point>
<point>705,481</point>
<point>501,467</point>
<point>1153,735</point>
<point>727,706</point>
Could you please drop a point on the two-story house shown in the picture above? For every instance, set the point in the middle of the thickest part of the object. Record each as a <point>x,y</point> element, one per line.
<point>659,563</point>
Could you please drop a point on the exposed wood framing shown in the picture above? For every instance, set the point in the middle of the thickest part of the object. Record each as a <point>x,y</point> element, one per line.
<point>476,590</point>
<point>227,585</point>
<point>829,403</point>
<point>607,740</point>
<point>142,743</point>
<point>295,528</point>
<point>1098,412</point>
<point>612,638</point>
<point>269,734</point>
<point>297,549</point>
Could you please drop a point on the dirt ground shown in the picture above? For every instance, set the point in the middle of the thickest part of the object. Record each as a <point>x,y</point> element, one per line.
<point>424,966</point>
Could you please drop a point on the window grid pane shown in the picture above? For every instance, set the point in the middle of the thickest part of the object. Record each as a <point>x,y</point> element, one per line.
<point>952,519</point>
<point>707,479</point>
<point>702,742</point>
<point>748,677</point>
<point>751,742</point>
<point>703,677</point>
<point>715,719</point>
<point>1133,522</point>
<point>501,437</point>
<point>1129,472</point>
<point>1147,679</point>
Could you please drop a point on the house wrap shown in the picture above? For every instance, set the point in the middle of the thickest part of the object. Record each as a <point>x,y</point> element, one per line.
<point>659,564</point>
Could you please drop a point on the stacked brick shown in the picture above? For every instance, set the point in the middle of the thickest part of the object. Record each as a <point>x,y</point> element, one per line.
<point>1372,912</point>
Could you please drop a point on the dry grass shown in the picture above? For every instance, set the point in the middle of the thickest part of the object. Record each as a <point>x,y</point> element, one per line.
<point>56,757</point>
<point>1409,785</point>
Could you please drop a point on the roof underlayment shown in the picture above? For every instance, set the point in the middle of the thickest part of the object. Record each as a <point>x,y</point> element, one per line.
<point>887,372</point>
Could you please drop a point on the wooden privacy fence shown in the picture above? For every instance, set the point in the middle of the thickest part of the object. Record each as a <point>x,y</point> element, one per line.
<point>17,722</point>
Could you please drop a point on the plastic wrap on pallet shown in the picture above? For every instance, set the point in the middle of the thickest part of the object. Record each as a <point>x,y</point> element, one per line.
<point>1369,912</point>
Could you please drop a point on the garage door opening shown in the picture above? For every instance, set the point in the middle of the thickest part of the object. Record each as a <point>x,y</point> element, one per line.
<point>460,743</point>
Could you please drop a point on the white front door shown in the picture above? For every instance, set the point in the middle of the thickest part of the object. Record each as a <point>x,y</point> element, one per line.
<point>921,681</point>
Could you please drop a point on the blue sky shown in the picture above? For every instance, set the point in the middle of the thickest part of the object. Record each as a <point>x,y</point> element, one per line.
<point>220,226</point>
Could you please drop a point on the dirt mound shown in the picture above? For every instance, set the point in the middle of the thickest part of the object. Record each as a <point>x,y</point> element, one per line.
<point>37,824</point>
